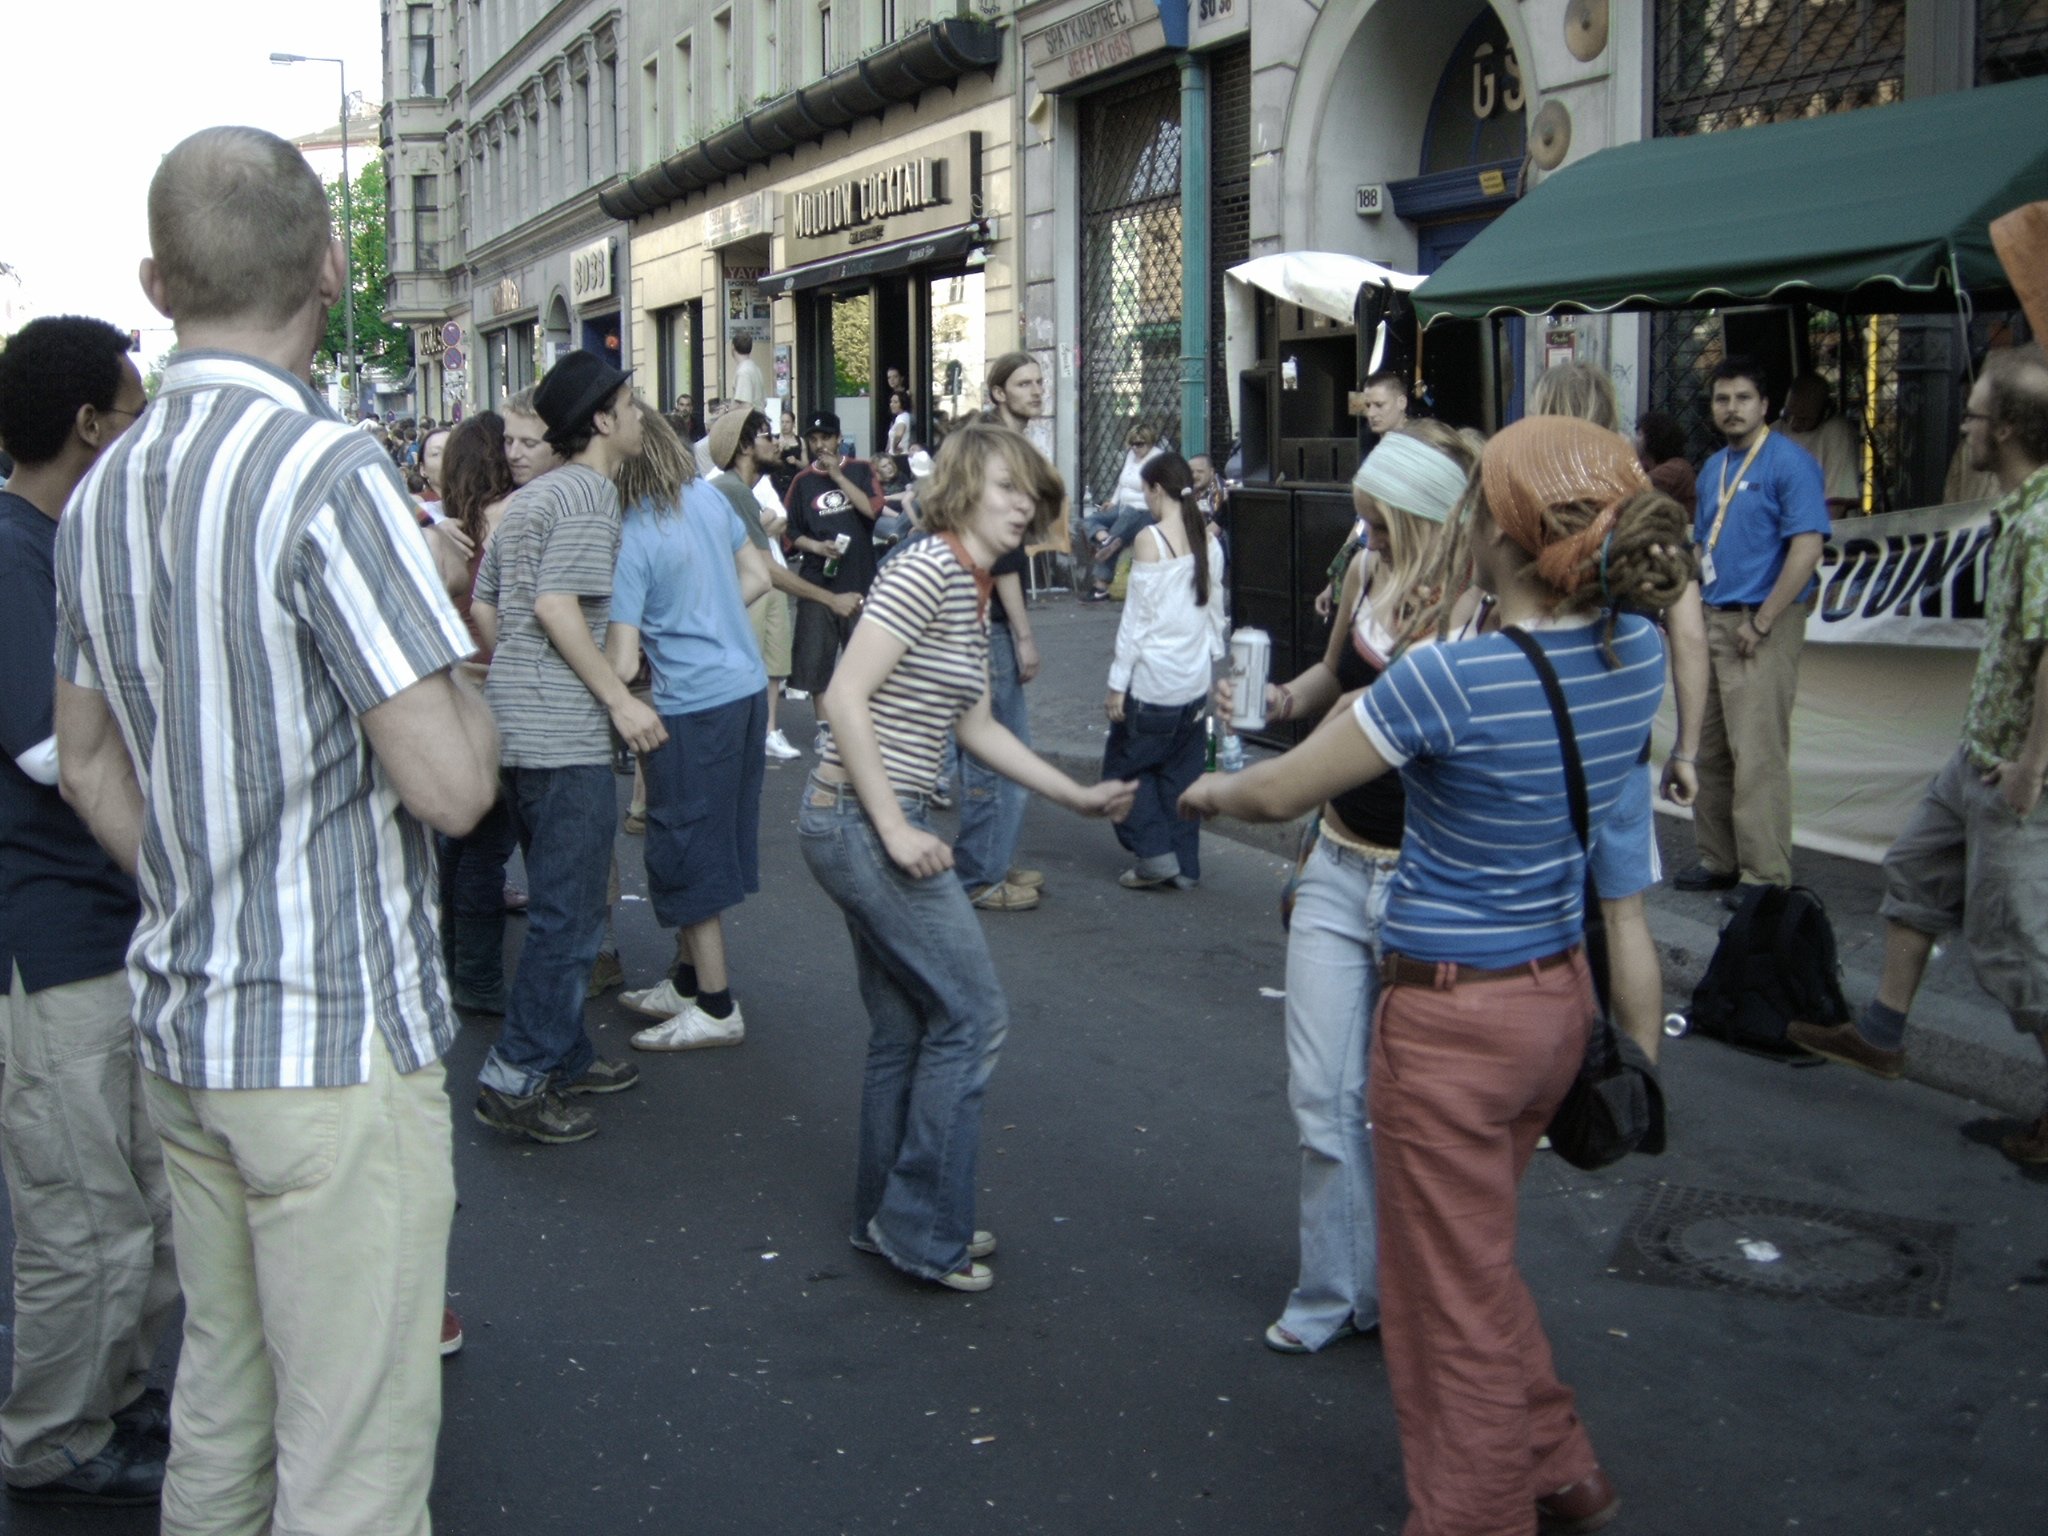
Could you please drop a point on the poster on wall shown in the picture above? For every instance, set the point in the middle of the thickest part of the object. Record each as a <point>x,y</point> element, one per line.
<point>785,369</point>
<point>746,314</point>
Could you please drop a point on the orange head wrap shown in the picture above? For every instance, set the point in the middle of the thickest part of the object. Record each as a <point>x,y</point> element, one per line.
<point>1544,462</point>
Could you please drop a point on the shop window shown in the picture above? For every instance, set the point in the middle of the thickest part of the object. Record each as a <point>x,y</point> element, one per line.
<point>419,58</point>
<point>959,332</point>
<point>2012,40</point>
<point>1736,63</point>
<point>426,223</point>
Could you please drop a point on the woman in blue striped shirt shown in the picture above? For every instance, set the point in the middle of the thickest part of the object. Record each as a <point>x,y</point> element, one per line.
<point>1488,1000</point>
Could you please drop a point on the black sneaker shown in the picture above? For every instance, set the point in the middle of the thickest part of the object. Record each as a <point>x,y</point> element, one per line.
<point>129,1471</point>
<point>544,1116</point>
<point>148,1418</point>
<point>1701,878</point>
<point>604,1076</point>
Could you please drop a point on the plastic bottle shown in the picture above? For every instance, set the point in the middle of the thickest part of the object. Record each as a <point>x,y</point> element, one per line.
<point>1231,758</point>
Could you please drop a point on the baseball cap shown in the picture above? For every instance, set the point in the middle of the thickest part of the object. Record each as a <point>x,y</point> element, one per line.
<point>821,421</point>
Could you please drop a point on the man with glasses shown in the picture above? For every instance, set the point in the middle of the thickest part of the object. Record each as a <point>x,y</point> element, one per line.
<point>94,1278</point>
<point>1973,853</point>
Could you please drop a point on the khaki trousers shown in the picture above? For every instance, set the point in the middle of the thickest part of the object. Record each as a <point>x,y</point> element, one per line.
<point>312,1230</point>
<point>1743,816</point>
<point>94,1284</point>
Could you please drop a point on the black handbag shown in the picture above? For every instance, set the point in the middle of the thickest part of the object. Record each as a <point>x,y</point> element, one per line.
<point>1615,1105</point>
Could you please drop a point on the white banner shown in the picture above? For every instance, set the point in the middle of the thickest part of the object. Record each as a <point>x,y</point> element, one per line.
<point>1905,578</point>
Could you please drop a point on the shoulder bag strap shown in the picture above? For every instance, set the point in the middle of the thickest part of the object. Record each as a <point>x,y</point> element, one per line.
<point>1567,740</point>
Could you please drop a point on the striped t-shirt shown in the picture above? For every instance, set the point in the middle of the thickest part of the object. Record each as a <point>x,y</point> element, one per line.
<point>560,534</point>
<point>242,577</point>
<point>1491,870</point>
<point>926,598</point>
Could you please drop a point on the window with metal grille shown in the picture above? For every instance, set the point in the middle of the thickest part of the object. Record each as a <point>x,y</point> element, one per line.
<point>1737,63</point>
<point>1230,206</point>
<point>1130,270</point>
<point>2012,40</point>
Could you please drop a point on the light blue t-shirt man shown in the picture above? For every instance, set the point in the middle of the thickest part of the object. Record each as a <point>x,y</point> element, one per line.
<point>676,583</point>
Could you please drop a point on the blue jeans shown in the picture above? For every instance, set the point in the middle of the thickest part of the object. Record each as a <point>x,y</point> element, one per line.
<point>563,819</point>
<point>473,867</point>
<point>1122,524</point>
<point>1159,745</point>
<point>936,1020</point>
<point>991,806</point>
<point>1333,966</point>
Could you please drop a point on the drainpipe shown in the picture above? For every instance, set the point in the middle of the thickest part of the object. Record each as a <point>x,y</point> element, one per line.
<point>1194,254</point>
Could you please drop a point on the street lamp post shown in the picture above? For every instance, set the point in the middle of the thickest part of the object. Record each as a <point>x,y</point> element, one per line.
<point>348,233</point>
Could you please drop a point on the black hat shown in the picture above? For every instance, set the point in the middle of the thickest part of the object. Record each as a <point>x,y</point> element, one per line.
<point>574,390</point>
<point>822,421</point>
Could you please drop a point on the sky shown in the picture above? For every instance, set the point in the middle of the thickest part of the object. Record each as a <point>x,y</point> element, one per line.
<point>121,82</point>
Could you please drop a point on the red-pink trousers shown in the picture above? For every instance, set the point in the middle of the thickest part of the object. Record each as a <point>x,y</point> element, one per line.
<point>1463,1081</point>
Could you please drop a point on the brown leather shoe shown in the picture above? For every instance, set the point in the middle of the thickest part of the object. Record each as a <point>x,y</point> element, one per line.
<point>1586,1505</point>
<point>2029,1148</point>
<point>1842,1042</point>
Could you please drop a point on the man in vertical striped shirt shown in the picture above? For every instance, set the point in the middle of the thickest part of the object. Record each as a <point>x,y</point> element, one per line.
<point>256,715</point>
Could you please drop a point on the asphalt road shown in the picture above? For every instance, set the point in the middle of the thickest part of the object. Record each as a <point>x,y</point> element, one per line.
<point>668,1331</point>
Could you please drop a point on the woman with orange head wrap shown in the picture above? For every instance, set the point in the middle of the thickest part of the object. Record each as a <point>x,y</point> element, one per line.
<point>1487,999</point>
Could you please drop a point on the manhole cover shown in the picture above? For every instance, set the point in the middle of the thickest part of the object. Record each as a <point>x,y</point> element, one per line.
<point>1860,1261</point>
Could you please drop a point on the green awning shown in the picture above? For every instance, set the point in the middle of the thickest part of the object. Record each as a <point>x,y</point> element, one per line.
<point>1878,211</point>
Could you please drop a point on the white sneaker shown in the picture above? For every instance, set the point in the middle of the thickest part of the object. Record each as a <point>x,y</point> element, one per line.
<point>692,1030</point>
<point>818,743</point>
<point>794,693</point>
<point>662,1002</point>
<point>778,747</point>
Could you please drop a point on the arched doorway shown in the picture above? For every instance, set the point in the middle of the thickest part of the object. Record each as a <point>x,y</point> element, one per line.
<point>555,335</point>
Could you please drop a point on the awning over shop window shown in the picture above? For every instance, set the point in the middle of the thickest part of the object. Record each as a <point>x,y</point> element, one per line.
<point>1878,211</point>
<point>897,256</point>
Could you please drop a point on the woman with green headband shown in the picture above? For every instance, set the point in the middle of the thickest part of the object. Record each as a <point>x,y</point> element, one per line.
<point>1403,491</point>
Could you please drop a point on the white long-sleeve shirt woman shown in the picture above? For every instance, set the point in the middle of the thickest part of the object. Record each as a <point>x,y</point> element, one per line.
<point>1167,643</point>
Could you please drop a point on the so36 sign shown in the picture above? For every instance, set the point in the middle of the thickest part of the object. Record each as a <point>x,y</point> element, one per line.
<point>590,272</point>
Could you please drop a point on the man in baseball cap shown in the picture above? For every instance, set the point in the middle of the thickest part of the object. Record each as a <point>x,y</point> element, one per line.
<point>832,504</point>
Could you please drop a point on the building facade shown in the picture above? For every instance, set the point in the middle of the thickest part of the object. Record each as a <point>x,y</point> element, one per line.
<point>834,183</point>
<point>504,120</point>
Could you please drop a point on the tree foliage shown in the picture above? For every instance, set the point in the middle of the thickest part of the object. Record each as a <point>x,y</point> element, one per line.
<point>385,347</point>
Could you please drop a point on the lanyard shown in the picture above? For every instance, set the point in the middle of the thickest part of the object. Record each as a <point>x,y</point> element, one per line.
<point>1714,533</point>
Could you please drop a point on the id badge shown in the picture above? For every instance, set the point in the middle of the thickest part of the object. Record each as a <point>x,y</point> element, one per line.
<point>1706,569</point>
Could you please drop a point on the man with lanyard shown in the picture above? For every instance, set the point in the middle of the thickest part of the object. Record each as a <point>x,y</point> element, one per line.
<point>1761,522</point>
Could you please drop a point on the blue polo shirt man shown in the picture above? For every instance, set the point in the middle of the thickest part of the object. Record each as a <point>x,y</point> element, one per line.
<point>1761,522</point>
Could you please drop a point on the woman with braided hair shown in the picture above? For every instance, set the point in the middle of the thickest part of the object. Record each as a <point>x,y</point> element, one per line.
<point>1488,1002</point>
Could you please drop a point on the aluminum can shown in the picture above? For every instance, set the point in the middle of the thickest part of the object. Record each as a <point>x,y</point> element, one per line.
<point>1251,658</point>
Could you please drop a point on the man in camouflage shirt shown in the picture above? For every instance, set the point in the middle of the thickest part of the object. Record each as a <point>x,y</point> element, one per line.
<point>1974,852</point>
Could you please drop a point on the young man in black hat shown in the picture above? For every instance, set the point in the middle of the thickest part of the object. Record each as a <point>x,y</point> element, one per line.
<point>543,603</point>
<point>832,507</point>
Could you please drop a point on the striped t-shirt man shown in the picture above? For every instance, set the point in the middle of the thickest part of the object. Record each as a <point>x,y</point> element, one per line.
<point>242,577</point>
<point>560,534</point>
<point>1491,871</point>
<point>927,599</point>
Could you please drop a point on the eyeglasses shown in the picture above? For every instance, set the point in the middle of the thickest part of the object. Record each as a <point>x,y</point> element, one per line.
<point>122,410</point>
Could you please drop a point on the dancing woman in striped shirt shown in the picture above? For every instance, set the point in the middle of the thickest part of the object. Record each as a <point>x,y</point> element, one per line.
<point>917,665</point>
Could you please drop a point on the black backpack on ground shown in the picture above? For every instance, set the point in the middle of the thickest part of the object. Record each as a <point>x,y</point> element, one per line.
<point>1776,962</point>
